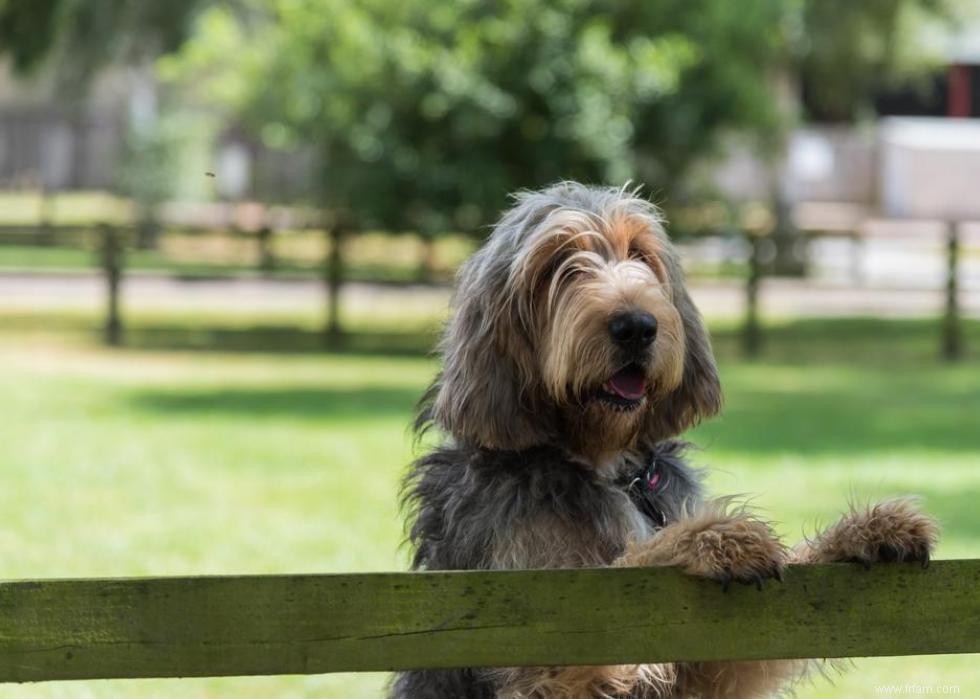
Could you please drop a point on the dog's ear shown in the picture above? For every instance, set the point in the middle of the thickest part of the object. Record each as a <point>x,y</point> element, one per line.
<point>484,394</point>
<point>699,394</point>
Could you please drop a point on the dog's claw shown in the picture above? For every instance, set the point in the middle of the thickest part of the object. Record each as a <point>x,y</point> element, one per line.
<point>756,580</point>
<point>888,554</point>
<point>859,560</point>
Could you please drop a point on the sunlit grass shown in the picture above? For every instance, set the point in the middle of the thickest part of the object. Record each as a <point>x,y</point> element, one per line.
<point>154,461</point>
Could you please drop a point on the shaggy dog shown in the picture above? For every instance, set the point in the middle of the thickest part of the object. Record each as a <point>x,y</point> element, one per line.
<point>573,359</point>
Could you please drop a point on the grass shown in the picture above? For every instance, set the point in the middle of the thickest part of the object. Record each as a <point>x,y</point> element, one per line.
<point>162,459</point>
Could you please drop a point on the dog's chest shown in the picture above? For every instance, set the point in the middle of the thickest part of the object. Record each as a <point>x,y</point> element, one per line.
<point>593,531</point>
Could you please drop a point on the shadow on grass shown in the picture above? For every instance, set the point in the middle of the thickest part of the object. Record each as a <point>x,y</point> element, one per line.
<point>805,341</point>
<point>865,415</point>
<point>846,385</point>
<point>851,340</point>
<point>314,403</point>
<point>810,341</point>
<point>822,386</point>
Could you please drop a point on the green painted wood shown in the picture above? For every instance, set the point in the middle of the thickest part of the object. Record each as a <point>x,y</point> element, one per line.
<point>265,625</point>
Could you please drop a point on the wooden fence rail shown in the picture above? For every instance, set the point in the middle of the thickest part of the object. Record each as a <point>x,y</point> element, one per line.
<point>293,624</point>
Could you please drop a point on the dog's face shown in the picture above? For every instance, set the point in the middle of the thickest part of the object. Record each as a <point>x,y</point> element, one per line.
<point>572,327</point>
<point>595,294</point>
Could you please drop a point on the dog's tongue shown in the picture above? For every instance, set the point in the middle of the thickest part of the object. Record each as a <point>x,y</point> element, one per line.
<point>629,383</point>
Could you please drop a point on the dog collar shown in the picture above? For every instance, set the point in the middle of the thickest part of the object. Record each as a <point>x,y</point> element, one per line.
<point>643,488</point>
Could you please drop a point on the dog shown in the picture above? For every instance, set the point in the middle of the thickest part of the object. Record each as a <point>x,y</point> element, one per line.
<point>573,359</point>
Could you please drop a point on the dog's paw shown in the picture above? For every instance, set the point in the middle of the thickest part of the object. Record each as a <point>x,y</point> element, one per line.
<point>892,530</point>
<point>739,548</point>
<point>728,547</point>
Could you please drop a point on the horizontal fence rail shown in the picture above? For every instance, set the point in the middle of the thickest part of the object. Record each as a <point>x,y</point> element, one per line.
<point>303,624</point>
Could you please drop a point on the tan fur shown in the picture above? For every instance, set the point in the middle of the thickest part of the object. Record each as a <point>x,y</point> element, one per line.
<point>737,680</point>
<point>893,529</point>
<point>585,682</point>
<point>580,270</point>
<point>577,352</point>
<point>523,354</point>
<point>721,542</point>
<point>724,543</point>
<point>528,342</point>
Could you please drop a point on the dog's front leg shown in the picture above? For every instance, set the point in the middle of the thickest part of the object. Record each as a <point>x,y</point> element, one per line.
<point>728,546</point>
<point>892,530</point>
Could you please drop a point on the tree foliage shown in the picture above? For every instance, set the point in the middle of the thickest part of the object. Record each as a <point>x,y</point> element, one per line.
<point>847,52</point>
<point>427,114</point>
<point>76,38</point>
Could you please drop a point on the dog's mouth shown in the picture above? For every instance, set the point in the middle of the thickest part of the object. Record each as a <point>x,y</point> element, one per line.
<point>626,389</point>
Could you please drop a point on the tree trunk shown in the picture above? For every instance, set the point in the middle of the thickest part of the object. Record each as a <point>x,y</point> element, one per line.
<point>790,244</point>
<point>952,332</point>
<point>788,241</point>
<point>267,258</point>
<point>427,263</point>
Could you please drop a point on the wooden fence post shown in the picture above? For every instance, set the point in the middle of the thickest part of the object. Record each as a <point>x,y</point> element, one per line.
<point>334,278</point>
<point>267,258</point>
<point>952,348</point>
<point>148,228</point>
<point>46,235</point>
<point>751,333</point>
<point>112,268</point>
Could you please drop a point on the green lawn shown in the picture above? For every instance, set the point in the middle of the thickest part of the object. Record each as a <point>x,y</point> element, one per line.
<point>153,461</point>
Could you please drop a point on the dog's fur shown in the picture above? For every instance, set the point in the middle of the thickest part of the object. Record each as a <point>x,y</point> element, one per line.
<point>542,463</point>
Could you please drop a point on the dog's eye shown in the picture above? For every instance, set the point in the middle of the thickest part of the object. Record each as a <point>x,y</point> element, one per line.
<point>651,260</point>
<point>639,255</point>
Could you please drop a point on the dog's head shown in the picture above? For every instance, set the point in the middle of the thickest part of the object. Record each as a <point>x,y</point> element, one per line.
<point>572,326</point>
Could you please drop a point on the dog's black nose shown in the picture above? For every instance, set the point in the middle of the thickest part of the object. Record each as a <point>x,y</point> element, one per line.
<point>633,330</point>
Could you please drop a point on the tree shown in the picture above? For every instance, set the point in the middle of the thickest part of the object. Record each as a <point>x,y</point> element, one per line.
<point>848,52</point>
<point>427,114</point>
<point>73,40</point>
<point>79,37</point>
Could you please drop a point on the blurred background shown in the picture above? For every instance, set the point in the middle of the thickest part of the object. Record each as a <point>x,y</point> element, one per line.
<point>228,230</point>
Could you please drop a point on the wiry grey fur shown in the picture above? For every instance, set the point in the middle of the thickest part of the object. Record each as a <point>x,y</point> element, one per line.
<point>487,392</point>
<point>476,508</point>
<point>505,492</point>
<point>537,471</point>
